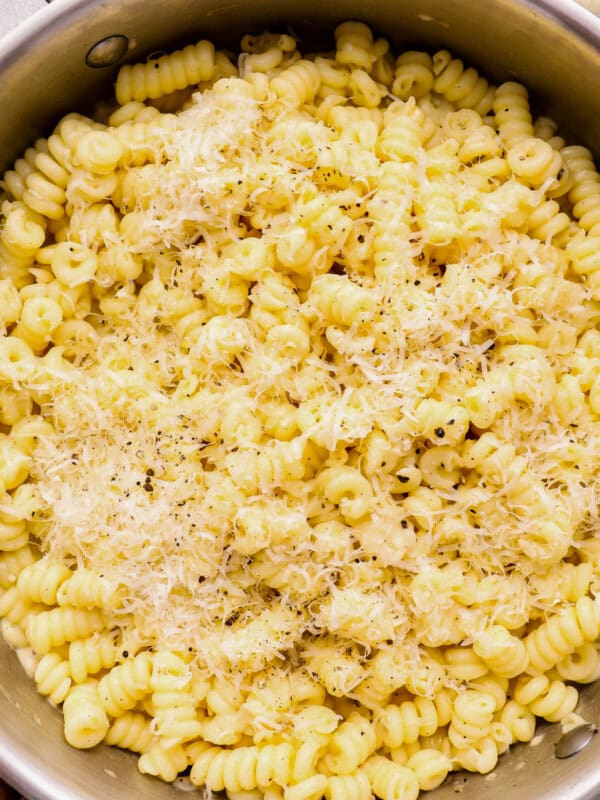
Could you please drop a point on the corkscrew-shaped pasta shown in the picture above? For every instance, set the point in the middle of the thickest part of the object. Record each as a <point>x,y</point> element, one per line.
<point>50,629</point>
<point>413,76</point>
<point>493,684</point>
<point>547,222</point>
<point>545,128</point>
<point>244,768</point>
<point>166,74</point>
<point>512,113</point>
<point>465,87</point>
<point>175,711</point>
<point>585,191</point>
<point>354,45</point>
<point>350,745</point>
<point>581,666</point>
<point>268,467</point>
<point>92,655</point>
<point>534,161</point>
<point>13,535</point>
<point>346,487</point>
<point>99,152</point>
<point>562,634</point>
<point>471,718</point>
<point>349,787</point>
<point>365,91</point>
<point>334,78</point>
<point>123,686</point>
<point>266,41</point>
<point>405,723</point>
<point>583,252</point>
<point>45,187</point>
<point>552,700</point>
<point>86,723</point>
<point>402,135</point>
<point>520,721</point>
<point>564,582</point>
<point>86,589</point>
<point>14,179</point>
<point>14,608</point>
<point>480,756</point>
<point>142,142</point>
<point>341,301</point>
<point>20,239</point>
<point>504,653</point>
<point>431,766</point>
<point>52,677</point>
<point>39,582</point>
<point>12,563</point>
<point>131,731</point>
<point>390,781</point>
<point>164,760</point>
<point>297,84</point>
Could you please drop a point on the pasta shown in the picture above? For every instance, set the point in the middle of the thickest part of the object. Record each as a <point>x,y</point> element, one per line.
<point>301,419</point>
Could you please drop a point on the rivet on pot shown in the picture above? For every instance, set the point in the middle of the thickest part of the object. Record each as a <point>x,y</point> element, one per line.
<point>574,741</point>
<point>107,51</point>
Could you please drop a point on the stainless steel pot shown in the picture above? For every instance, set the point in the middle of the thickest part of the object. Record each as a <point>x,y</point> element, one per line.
<point>551,45</point>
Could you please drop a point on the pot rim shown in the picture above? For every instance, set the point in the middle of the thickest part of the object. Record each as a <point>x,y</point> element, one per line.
<point>568,13</point>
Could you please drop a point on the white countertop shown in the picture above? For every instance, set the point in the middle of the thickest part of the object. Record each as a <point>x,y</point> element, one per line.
<point>12,12</point>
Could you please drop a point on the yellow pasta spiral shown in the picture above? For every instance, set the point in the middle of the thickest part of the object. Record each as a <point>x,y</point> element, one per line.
<point>164,760</point>
<point>341,300</point>
<point>402,135</point>
<point>552,700</point>
<point>41,581</point>
<point>52,677</point>
<point>562,634</point>
<point>465,87</point>
<point>583,252</point>
<point>405,723</point>
<point>349,787</point>
<point>548,223</point>
<point>45,186</point>
<point>585,191</point>
<point>166,74</point>
<point>512,114</point>
<point>13,535</point>
<point>122,687</point>
<point>131,731</point>
<point>91,655</point>
<point>85,720</point>
<point>13,563</point>
<point>21,237</point>
<point>471,718</point>
<point>350,745</point>
<point>244,768</point>
<point>354,45</point>
<point>175,711</point>
<point>86,589</point>
<point>505,654</point>
<point>390,781</point>
<point>413,76</point>
<point>52,628</point>
<point>297,84</point>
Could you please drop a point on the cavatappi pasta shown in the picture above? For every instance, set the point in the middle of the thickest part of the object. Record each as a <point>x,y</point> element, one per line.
<point>300,406</point>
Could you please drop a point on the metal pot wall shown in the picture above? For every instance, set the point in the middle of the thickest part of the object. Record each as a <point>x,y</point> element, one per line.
<point>551,45</point>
